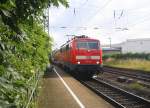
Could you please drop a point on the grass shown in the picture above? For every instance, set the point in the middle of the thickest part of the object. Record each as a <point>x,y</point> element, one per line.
<point>138,64</point>
<point>135,86</point>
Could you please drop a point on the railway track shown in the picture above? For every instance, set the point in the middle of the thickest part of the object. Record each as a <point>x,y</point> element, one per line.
<point>116,96</point>
<point>128,73</point>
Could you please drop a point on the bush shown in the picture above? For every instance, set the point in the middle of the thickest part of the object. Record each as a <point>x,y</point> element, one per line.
<point>128,56</point>
<point>24,48</point>
<point>21,59</point>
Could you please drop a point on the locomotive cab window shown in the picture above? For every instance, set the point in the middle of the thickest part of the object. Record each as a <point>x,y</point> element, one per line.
<point>93,45</point>
<point>88,45</point>
<point>82,45</point>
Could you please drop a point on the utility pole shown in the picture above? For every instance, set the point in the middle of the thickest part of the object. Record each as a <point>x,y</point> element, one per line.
<point>109,42</point>
<point>48,22</point>
<point>115,17</point>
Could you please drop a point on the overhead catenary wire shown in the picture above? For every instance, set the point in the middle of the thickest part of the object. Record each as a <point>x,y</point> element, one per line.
<point>82,24</point>
<point>98,11</point>
<point>143,19</point>
<point>78,15</point>
<point>139,22</point>
<point>78,27</point>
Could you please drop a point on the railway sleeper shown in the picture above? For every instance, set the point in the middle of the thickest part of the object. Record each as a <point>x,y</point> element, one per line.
<point>107,92</point>
<point>139,106</point>
<point>125,100</point>
<point>106,89</point>
<point>129,103</point>
<point>120,97</point>
<point>110,93</point>
<point>114,95</point>
<point>136,106</point>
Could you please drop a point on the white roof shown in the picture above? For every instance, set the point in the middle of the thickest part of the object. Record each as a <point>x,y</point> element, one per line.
<point>139,39</point>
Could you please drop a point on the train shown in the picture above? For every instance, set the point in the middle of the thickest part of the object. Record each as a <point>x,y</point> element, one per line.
<point>81,56</point>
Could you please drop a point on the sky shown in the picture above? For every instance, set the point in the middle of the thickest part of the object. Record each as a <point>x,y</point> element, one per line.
<point>117,20</point>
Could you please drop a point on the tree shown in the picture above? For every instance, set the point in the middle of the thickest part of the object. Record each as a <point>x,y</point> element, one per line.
<point>12,12</point>
<point>24,48</point>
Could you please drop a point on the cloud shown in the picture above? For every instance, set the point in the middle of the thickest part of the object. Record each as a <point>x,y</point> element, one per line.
<point>84,16</point>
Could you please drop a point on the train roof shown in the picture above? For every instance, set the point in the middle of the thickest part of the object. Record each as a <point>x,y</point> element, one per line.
<point>82,37</point>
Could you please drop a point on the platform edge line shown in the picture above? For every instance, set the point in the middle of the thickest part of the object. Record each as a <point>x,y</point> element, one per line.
<point>69,89</point>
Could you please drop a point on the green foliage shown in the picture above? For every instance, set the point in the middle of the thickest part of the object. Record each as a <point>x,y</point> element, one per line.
<point>20,60</point>
<point>106,56</point>
<point>24,48</point>
<point>131,61</point>
<point>128,56</point>
<point>13,12</point>
<point>135,86</point>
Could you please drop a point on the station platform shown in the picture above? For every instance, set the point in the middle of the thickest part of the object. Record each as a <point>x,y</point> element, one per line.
<point>61,90</point>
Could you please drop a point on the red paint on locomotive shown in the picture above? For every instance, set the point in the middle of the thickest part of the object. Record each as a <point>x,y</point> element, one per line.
<point>80,53</point>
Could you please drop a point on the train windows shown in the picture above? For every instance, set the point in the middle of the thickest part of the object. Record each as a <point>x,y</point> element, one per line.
<point>61,50</point>
<point>64,48</point>
<point>82,45</point>
<point>88,45</point>
<point>93,45</point>
<point>67,47</point>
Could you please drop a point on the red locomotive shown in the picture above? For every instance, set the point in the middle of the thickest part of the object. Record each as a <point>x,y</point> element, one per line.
<point>81,55</point>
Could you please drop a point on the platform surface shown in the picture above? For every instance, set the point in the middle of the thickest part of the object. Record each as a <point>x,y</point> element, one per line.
<point>54,93</point>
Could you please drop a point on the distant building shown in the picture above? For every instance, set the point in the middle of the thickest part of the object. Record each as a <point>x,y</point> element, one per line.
<point>133,46</point>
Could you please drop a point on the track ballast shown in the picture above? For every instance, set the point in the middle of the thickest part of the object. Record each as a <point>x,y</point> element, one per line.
<point>116,96</point>
<point>144,76</point>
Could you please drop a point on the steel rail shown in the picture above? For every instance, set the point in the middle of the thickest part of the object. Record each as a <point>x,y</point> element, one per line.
<point>140,76</point>
<point>116,96</point>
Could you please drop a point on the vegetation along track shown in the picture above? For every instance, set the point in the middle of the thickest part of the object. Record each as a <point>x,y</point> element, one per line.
<point>116,96</point>
<point>144,76</point>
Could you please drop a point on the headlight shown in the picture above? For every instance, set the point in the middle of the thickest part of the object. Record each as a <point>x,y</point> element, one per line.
<point>97,62</point>
<point>78,62</point>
